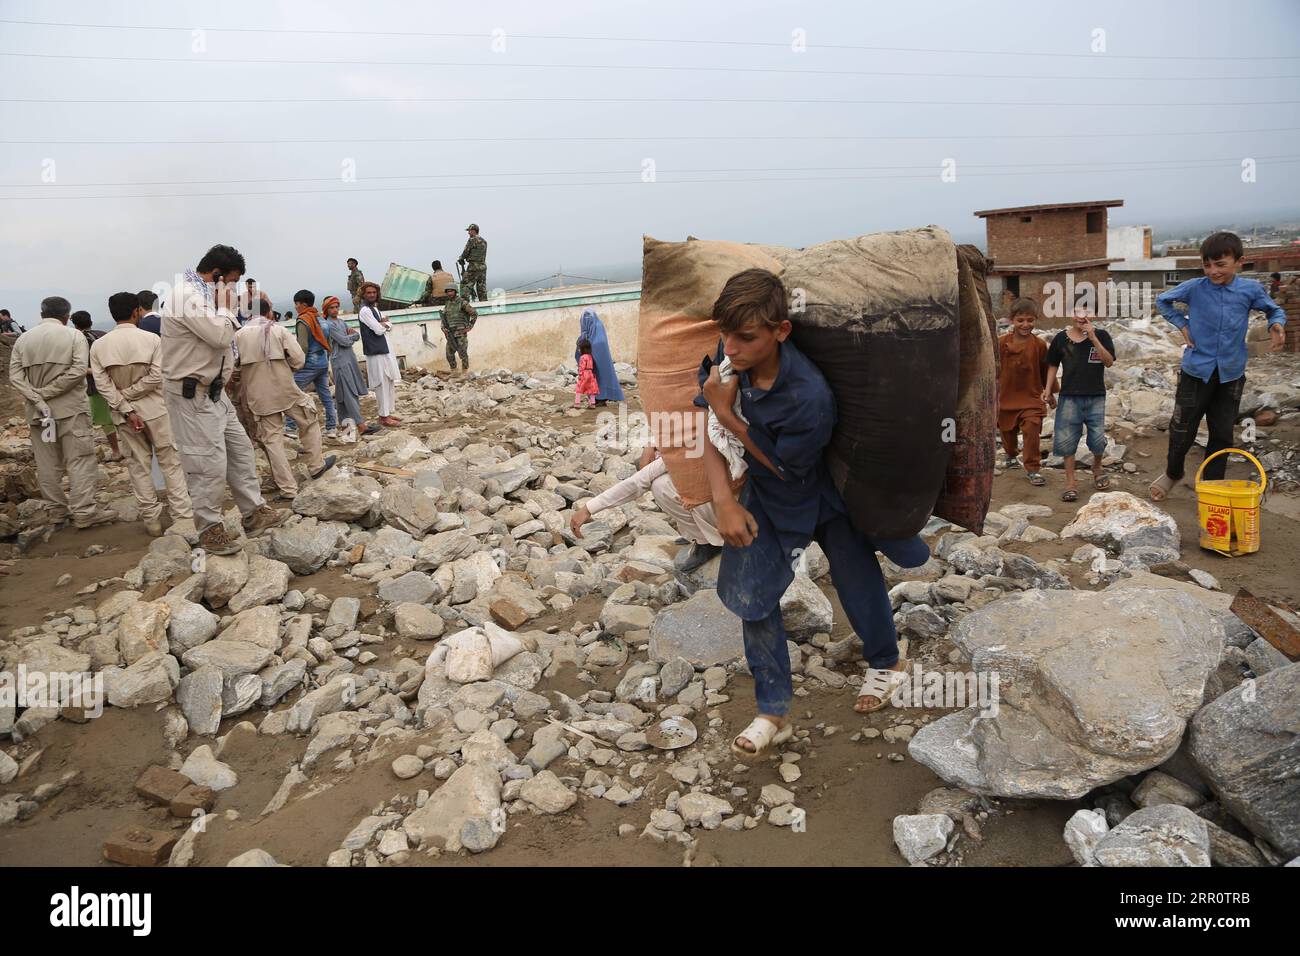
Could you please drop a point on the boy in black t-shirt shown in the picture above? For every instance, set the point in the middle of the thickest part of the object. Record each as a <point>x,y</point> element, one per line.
<point>1082,352</point>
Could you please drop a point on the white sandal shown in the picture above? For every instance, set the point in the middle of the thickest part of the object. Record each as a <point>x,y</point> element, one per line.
<point>881,684</point>
<point>762,733</point>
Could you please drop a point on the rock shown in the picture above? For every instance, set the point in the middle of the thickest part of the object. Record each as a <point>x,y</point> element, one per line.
<point>258,625</point>
<point>1125,523</point>
<point>773,795</point>
<point>407,766</point>
<point>472,792</point>
<point>189,626</point>
<point>546,793</point>
<point>232,658</point>
<point>920,836</point>
<point>408,508</point>
<point>487,748</point>
<point>279,679</point>
<point>699,809</point>
<point>343,613</point>
<point>417,622</point>
<point>1093,687</point>
<point>307,545</point>
<point>240,693</point>
<point>511,474</point>
<point>1167,835</point>
<point>674,676</point>
<point>413,587</point>
<point>388,544</point>
<point>700,630</point>
<point>618,619</point>
<point>142,630</point>
<point>1245,745</point>
<point>149,680</point>
<point>267,582</point>
<point>1083,832</point>
<point>337,499</point>
<point>332,731</point>
<point>1157,788</point>
<point>224,577</point>
<point>805,609</point>
<point>207,771</point>
<point>446,546</point>
<point>1205,579</point>
<point>199,695</point>
<point>254,858</point>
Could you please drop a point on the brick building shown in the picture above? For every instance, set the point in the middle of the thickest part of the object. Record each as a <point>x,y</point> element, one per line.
<point>1032,246</point>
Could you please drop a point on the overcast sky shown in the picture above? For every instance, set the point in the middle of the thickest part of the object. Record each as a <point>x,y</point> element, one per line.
<point>839,145</point>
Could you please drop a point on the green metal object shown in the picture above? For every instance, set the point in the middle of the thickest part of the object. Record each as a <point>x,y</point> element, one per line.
<point>402,284</point>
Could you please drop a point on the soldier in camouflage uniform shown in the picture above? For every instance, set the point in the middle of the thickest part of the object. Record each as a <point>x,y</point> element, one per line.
<point>355,279</point>
<point>458,317</point>
<point>473,260</point>
<point>435,286</point>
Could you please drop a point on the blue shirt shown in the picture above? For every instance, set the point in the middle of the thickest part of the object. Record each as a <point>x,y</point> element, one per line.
<point>791,423</point>
<point>1217,316</point>
<point>152,323</point>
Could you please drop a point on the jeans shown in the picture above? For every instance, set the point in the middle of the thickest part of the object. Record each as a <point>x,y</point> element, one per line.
<point>1073,412</point>
<point>315,373</point>
<point>1218,403</point>
<point>860,584</point>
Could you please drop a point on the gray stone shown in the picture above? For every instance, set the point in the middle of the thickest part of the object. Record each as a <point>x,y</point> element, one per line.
<point>338,499</point>
<point>343,613</point>
<point>700,630</point>
<point>1092,687</point>
<point>232,658</point>
<point>190,625</point>
<point>258,625</point>
<point>472,792</point>
<point>674,676</point>
<point>408,509</point>
<point>307,545</point>
<point>267,582</point>
<point>224,577</point>
<point>922,835</point>
<point>511,474</point>
<point>439,549</point>
<point>207,771</point>
<point>697,808</point>
<point>618,619</point>
<point>200,700</point>
<point>238,694</point>
<point>390,543</point>
<point>417,622</point>
<point>149,680</point>
<point>413,587</point>
<point>1083,832</point>
<point>1167,835</point>
<point>805,609</point>
<point>279,679</point>
<point>546,793</point>
<point>143,630</point>
<point>1157,788</point>
<point>1247,745</point>
<point>1123,523</point>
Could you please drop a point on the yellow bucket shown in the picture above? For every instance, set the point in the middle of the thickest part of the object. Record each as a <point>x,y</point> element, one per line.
<point>1229,509</point>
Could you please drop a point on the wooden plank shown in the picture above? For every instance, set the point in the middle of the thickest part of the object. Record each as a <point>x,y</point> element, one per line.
<point>1267,623</point>
<point>385,470</point>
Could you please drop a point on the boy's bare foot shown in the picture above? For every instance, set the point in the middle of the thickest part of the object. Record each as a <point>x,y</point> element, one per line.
<point>869,702</point>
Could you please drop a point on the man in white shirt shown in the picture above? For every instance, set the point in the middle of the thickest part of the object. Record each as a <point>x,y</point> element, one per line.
<point>382,370</point>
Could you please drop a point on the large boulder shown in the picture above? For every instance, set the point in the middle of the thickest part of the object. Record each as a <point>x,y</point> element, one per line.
<point>1247,745</point>
<point>190,624</point>
<point>268,581</point>
<point>1166,835</point>
<point>1091,687</point>
<point>700,629</point>
<point>1136,530</point>
<point>149,680</point>
<point>338,499</point>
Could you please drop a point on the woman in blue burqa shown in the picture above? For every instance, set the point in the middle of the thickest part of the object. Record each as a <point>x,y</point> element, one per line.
<point>593,330</point>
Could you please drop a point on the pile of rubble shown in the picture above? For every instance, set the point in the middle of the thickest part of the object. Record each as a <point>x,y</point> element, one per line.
<point>1147,698</point>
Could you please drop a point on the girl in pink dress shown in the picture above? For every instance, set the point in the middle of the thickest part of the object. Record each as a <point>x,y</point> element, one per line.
<point>587,384</point>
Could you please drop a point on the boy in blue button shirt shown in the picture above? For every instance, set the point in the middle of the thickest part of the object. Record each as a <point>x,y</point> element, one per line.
<point>787,414</point>
<point>1213,372</point>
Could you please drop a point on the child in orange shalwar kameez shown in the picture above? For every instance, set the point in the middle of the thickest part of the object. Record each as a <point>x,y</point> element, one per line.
<point>1021,384</point>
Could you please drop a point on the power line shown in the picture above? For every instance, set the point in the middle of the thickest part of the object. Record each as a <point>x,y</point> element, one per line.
<point>672,41</point>
<point>608,99</point>
<point>579,137</point>
<point>671,182</point>
<point>497,63</point>
<point>1091,166</point>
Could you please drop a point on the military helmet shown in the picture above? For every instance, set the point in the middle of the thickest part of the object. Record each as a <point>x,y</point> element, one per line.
<point>472,225</point>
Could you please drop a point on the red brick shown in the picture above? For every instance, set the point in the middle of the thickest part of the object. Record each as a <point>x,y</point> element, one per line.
<point>160,785</point>
<point>193,797</point>
<point>138,846</point>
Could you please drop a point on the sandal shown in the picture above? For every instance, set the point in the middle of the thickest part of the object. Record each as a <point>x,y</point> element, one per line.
<point>762,733</point>
<point>1160,488</point>
<point>1069,495</point>
<point>1036,479</point>
<point>880,683</point>
<point>1101,482</point>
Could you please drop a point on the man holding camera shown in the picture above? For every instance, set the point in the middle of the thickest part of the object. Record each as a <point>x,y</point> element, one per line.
<point>197,332</point>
